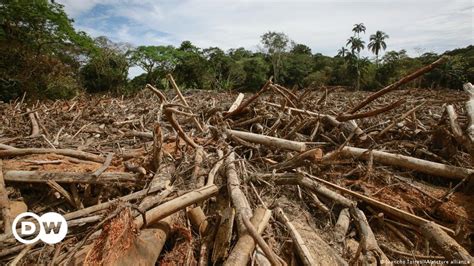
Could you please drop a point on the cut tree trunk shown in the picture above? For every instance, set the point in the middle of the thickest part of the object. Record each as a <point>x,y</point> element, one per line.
<point>469,88</point>
<point>269,141</point>
<point>423,166</point>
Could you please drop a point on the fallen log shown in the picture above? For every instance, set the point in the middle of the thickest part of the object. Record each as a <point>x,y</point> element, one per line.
<point>469,88</point>
<point>423,166</point>
<point>457,132</point>
<point>268,141</point>
<point>70,177</point>
<point>179,203</point>
<point>342,225</point>
<point>242,251</point>
<point>239,200</point>
<point>236,103</point>
<point>34,124</point>
<point>347,117</point>
<point>446,244</point>
<point>4,204</point>
<point>372,254</point>
<point>65,152</point>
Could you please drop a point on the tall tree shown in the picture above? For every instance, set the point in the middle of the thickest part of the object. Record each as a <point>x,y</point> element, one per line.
<point>356,45</point>
<point>276,44</point>
<point>377,43</point>
<point>152,58</point>
<point>342,52</point>
<point>358,28</point>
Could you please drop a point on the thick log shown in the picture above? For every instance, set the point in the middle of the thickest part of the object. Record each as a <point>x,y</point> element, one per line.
<point>242,251</point>
<point>4,204</point>
<point>423,166</point>
<point>223,235</point>
<point>457,131</point>
<point>342,225</point>
<point>179,203</point>
<point>212,174</point>
<point>446,245</point>
<point>236,103</point>
<point>397,84</point>
<point>239,200</point>
<point>34,123</point>
<point>268,141</point>
<point>70,177</point>
<point>66,152</point>
<point>198,220</point>
<point>469,88</point>
<point>373,254</point>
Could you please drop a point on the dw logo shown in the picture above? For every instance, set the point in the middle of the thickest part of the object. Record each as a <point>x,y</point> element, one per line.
<point>52,228</point>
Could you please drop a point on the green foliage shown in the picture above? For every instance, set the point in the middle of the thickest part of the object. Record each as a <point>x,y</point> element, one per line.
<point>377,43</point>
<point>107,68</point>
<point>275,43</point>
<point>256,73</point>
<point>156,61</point>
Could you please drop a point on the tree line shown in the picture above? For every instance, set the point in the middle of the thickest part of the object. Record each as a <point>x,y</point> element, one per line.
<point>44,56</point>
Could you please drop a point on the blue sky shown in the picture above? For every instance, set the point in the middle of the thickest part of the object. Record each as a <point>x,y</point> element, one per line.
<point>417,26</point>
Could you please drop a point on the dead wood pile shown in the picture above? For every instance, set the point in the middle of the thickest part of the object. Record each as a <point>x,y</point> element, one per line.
<point>313,177</point>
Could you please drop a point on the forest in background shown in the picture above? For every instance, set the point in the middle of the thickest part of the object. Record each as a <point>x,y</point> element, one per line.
<point>44,56</point>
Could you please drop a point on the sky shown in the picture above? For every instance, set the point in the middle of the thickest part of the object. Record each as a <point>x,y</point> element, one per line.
<point>417,26</point>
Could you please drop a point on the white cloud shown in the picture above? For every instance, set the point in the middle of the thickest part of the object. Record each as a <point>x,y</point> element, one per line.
<point>322,25</point>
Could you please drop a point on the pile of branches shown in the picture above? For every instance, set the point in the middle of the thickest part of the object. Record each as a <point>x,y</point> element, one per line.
<point>278,177</point>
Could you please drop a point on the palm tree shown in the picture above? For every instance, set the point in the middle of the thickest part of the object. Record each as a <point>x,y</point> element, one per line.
<point>342,52</point>
<point>377,43</point>
<point>356,44</point>
<point>358,28</point>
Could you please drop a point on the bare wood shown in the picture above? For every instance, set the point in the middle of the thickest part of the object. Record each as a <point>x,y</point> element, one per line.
<point>157,147</point>
<point>312,156</point>
<point>196,178</point>
<point>395,121</point>
<point>321,206</point>
<point>347,126</point>
<point>469,88</point>
<point>239,200</point>
<point>397,84</point>
<point>423,166</point>
<point>269,141</point>
<point>21,255</point>
<point>176,88</point>
<point>236,103</point>
<point>242,251</point>
<point>369,244</point>
<point>179,203</point>
<point>157,92</point>
<point>446,245</point>
<point>347,117</point>
<point>342,225</point>
<point>242,106</point>
<point>66,152</point>
<point>70,177</point>
<point>170,115</point>
<point>316,187</point>
<point>104,166</point>
<point>54,185</point>
<point>34,123</point>
<point>401,214</point>
<point>4,204</point>
<point>198,220</point>
<point>212,174</point>
<point>223,235</point>
<point>271,256</point>
<point>298,241</point>
<point>457,131</point>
